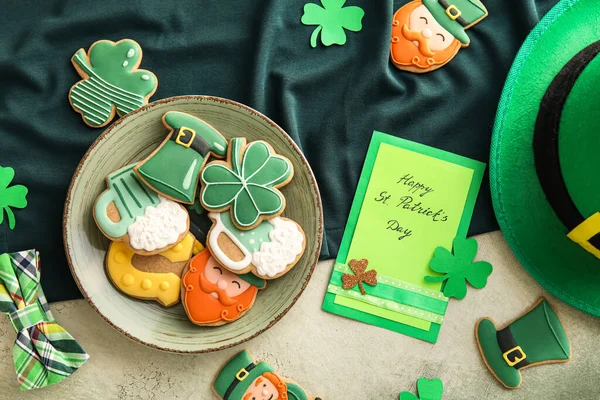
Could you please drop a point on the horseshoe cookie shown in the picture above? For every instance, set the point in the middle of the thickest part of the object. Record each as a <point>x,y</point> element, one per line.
<point>156,277</point>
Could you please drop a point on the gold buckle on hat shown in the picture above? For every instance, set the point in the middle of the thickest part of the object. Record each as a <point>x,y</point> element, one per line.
<point>456,14</point>
<point>181,134</point>
<point>583,232</point>
<point>517,359</point>
<point>239,375</point>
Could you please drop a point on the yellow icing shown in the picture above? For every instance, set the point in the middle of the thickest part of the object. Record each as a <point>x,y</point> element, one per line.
<point>162,287</point>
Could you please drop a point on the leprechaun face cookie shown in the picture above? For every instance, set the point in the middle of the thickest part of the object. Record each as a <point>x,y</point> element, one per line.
<point>173,168</point>
<point>427,34</point>
<point>244,379</point>
<point>214,296</point>
<point>156,277</point>
<point>247,184</point>
<point>112,82</point>
<point>269,251</point>
<point>130,212</point>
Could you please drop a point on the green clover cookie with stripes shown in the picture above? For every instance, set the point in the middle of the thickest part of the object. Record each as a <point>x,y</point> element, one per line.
<point>112,82</point>
<point>247,184</point>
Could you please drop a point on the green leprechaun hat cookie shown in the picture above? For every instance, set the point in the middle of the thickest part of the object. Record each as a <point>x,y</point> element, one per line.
<point>174,167</point>
<point>242,378</point>
<point>457,15</point>
<point>536,337</point>
<point>544,160</point>
<point>237,375</point>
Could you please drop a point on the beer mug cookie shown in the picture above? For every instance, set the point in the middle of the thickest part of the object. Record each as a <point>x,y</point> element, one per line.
<point>130,212</point>
<point>268,251</point>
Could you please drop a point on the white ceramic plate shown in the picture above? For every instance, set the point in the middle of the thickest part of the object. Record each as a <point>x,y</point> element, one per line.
<point>131,139</point>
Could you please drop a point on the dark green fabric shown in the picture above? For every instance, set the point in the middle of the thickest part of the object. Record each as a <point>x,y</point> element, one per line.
<point>256,52</point>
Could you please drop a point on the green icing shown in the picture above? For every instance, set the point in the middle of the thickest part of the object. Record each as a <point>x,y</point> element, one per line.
<point>111,81</point>
<point>251,239</point>
<point>216,141</point>
<point>228,373</point>
<point>472,11</point>
<point>131,197</point>
<point>174,169</point>
<point>540,335</point>
<point>579,141</point>
<point>248,187</point>
<point>169,170</point>
<point>295,392</point>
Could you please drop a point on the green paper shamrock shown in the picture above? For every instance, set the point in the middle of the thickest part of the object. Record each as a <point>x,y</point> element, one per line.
<point>14,196</point>
<point>428,389</point>
<point>249,186</point>
<point>459,268</point>
<point>111,81</point>
<point>332,19</point>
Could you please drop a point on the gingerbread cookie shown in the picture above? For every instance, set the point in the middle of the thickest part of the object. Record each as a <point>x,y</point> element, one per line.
<point>269,251</point>
<point>173,168</point>
<point>156,277</point>
<point>212,295</point>
<point>111,81</point>
<point>244,379</point>
<point>427,34</point>
<point>130,212</point>
<point>536,337</point>
<point>247,184</point>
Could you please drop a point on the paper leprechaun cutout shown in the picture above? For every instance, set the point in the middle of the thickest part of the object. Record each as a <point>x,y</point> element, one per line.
<point>244,379</point>
<point>173,169</point>
<point>427,34</point>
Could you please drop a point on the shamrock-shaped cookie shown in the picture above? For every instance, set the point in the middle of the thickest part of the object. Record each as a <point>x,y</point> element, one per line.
<point>459,268</point>
<point>14,196</point>
<point>247,184</point>
<point>111,81</point>
<point>332,19</point>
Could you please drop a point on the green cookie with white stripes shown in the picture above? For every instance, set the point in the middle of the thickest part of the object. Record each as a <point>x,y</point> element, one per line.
<point>112,82</point>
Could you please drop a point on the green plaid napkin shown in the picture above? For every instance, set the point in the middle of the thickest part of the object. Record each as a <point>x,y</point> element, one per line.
<point>44,353</point>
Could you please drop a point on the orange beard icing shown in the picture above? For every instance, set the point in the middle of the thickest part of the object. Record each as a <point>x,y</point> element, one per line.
<point>279,384</point>
<point>202,308</point>
<point>405,53</point>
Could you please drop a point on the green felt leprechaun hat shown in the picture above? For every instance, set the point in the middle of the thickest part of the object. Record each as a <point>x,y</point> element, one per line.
<point>457,15</point>
<point>537,337</point>
<point>544,163</point>
<point>237,376</point>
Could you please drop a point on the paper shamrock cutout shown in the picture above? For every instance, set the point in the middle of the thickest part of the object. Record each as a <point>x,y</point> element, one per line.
<point>332,19</point>
<point>14,196</point>
<point>459,268</point>
<point>360,276</point>
<point>248,185</point>
<point>428,389</point>
<point>111,81</point>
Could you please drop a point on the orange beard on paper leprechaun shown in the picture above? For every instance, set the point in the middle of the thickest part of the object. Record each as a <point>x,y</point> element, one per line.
<point>212,295</point>
<point>419,42</point>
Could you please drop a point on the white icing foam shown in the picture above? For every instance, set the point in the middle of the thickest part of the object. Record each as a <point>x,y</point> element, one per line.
<point>286,244</point>
<point>159,227</point>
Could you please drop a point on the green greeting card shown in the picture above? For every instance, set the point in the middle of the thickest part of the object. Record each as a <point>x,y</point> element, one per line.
<point>410,199</point>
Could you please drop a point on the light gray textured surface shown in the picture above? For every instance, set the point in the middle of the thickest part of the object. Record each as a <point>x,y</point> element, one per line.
<point>328,355</point>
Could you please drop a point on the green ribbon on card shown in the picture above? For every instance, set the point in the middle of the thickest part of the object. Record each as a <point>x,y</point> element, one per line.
<point>387,304</point>
<point>394,295</point>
